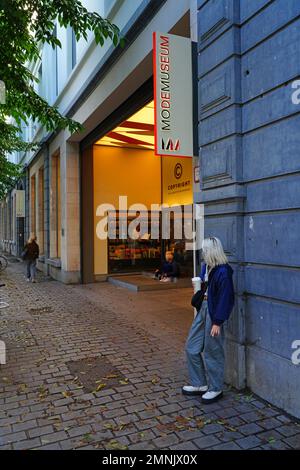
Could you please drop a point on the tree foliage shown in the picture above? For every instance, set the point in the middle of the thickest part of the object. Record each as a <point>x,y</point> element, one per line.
<point>25,25</point>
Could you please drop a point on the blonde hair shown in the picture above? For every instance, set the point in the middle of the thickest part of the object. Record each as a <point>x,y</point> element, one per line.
<point>213,252</point>
<point>32,238</point>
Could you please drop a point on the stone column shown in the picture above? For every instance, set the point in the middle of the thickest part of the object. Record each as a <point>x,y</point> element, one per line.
<point>220,140</point>
<point>27,202</point>
<point>70,213</point>
<point>46,206</point>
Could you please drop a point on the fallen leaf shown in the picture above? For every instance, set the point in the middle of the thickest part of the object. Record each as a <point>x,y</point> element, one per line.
<point>22,388</point>
<point>103,408</point>
<point>200,423</point>
<point>115,445</point>
<point>100,387</point>
<point>155,380</point>
<point>43,393</point>
<point>231,429</point>
<point>123,382</point>
<point>87,437</point>
<point>249,397</point>
<point>5,379</point>
<point>208,421</point>
<point>108,426</point>
<point>67,394</point>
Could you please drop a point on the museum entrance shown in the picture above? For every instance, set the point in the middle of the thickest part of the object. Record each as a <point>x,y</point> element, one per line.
<point>130,186</point>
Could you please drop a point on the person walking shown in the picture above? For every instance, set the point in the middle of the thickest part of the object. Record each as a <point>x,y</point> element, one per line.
<point>30,254</point>
<point>205,342</point>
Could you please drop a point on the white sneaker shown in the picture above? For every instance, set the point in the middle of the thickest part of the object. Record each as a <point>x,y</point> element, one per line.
<point>190,390</point>
<point>165,279</point>
<point>28,279</point>
<point>211,397</point>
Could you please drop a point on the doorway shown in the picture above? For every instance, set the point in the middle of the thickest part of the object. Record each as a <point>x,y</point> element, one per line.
<point>117,160</point>
<point>126,169</point>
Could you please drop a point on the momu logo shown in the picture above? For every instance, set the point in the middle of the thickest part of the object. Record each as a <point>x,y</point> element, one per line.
<point>171,145</point>
<point>296,353</point>
<point>2,353</point>
<point>296,94</point>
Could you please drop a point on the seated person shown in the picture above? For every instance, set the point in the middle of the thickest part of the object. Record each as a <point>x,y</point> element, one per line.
<point>169,270</point>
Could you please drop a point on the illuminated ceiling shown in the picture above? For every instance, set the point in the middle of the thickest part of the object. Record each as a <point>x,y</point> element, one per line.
<point>135,132</point>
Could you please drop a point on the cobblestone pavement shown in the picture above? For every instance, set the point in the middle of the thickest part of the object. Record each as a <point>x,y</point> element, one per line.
<point>43,405</point>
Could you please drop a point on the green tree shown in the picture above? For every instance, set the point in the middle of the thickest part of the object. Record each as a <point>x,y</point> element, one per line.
<point>25,25</point>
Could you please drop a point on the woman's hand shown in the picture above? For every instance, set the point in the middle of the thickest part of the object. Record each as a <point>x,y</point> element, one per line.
<point>215,331</point>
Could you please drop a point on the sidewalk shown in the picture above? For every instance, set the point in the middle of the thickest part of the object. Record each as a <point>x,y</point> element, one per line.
<point>100,367</point>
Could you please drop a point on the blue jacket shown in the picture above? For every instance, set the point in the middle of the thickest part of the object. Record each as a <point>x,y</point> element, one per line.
<point>220,294</point>
<point>170,269</point>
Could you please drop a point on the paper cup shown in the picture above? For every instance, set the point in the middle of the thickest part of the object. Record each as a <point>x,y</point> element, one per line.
<point>196,281</point>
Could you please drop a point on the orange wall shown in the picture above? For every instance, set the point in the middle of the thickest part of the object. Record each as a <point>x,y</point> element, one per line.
<point>136,174</point>
<point>123,172</point>
<point>177,191</point>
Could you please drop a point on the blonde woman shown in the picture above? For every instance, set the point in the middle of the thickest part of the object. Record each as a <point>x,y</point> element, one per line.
<point>30,254</point>
<point>205,343</point>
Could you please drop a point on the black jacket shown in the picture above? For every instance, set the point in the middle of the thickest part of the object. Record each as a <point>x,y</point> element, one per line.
<point>32,251</point>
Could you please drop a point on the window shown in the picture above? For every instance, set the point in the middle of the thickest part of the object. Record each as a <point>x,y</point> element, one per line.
<point>14,236</point>
<point>55,216</point>
<point>73,49</point>
<point>56,63</point>
<point>40,79</point>
<point>10,207</point>
<point>32,205</point>
<point>40,234</point>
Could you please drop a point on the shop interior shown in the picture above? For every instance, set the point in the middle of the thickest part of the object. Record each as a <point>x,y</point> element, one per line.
<point>124,164</point>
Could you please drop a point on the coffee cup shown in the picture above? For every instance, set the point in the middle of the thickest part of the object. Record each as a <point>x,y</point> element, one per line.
<point>196,281</point>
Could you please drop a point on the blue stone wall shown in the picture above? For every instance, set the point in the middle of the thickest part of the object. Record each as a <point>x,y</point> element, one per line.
<point>249,137</point>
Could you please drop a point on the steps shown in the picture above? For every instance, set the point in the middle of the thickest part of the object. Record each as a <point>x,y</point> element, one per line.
<point>141,282</point>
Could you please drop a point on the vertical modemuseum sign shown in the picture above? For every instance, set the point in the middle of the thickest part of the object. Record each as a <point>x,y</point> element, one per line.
<point>173,95</point>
